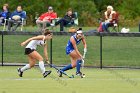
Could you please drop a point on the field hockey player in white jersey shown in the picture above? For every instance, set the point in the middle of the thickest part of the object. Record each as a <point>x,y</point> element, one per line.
<point>33,55</point>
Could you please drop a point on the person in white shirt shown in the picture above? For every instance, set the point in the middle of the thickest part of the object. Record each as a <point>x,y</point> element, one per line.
<point>33,55</point>
<point>109,18</point>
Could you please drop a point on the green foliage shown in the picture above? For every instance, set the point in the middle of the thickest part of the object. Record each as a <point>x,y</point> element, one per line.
<point>130,11</point>
<point>88,10</point>
<point>102,4</point>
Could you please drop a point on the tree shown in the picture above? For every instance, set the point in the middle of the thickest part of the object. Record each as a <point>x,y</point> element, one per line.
<point>88,10</point>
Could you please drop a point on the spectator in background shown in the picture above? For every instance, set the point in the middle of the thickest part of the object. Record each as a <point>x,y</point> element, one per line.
<point>4,14</point>
<point>46,18</point>
<point>109,18</point>
<point>16,17</point>
<point>68,18</point>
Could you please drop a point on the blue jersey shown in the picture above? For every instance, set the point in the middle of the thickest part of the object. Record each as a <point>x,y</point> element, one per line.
<point>69,47</point>
<point>4,14</point>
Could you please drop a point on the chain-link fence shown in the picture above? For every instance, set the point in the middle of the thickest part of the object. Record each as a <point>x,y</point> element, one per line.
<point>121,52</point>
<point>104,49</point>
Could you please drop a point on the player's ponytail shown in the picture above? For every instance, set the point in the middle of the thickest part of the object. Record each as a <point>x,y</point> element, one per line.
<point>79,29</point>
<point>46,32</point>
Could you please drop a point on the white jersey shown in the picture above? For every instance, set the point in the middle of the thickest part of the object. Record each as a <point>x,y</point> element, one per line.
<point>34,43</point>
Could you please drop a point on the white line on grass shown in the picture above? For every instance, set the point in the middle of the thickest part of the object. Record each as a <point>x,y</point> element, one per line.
<point>21,79</point>
<point>26,79</point>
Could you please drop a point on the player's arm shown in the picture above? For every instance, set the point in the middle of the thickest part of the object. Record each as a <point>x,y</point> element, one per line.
<point>40,37</point>
<point>85,46</point>
<point>46,52</point>
<point>75,46</point>
<point>84,42</point>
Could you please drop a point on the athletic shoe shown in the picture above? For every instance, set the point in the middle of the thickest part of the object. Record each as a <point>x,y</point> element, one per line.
<point>59,73</point>
<point>20,73</point>
<point>80,74</point>
<point>46,73</point>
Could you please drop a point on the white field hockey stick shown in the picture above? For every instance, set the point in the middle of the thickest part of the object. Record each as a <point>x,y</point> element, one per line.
<point>84,55</point>
<point>83,62</point>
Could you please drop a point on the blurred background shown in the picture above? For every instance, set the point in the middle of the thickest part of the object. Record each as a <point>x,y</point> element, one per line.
<point>89,11</point>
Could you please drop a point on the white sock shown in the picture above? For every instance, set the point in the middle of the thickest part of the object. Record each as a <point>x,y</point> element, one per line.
<point>41,65</point>
<point>26,67</point>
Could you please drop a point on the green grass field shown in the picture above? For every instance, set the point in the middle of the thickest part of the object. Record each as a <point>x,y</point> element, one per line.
<point>96,81</point>
<point>117,51</point>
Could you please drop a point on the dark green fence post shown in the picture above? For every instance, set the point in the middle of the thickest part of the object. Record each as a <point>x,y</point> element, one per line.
<point>139,27</point>
<point>51,51</point>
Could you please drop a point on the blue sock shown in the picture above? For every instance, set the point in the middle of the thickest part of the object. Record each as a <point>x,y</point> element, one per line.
<point>67,67</point>
<point>78,66</point>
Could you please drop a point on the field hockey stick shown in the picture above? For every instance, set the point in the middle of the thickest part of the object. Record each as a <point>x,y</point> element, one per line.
<point>52,65</point>
<point>82,66</point>
<point>84,55</point>
<point>83,62</point>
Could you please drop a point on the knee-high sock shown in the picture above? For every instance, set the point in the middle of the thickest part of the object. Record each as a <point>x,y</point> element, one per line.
<point>67,67</point>
<point>78,66</point>
<point>26,67</point>
<point>41,65</point>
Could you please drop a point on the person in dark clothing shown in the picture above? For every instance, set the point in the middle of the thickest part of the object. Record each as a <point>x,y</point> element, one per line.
<point>16,17</point>
<point>67,19</point>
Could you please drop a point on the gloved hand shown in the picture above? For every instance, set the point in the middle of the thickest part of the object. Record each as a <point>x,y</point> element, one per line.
<point>48,61</point>
<point>85,50</point>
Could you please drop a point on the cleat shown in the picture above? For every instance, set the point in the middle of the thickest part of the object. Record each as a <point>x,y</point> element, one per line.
<point>46,73</point>
<point>59,73</point>
<point>80,74</point>
<point>19,72</point>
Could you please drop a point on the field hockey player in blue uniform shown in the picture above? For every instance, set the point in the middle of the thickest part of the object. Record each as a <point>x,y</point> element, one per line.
<point>72,50</point>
